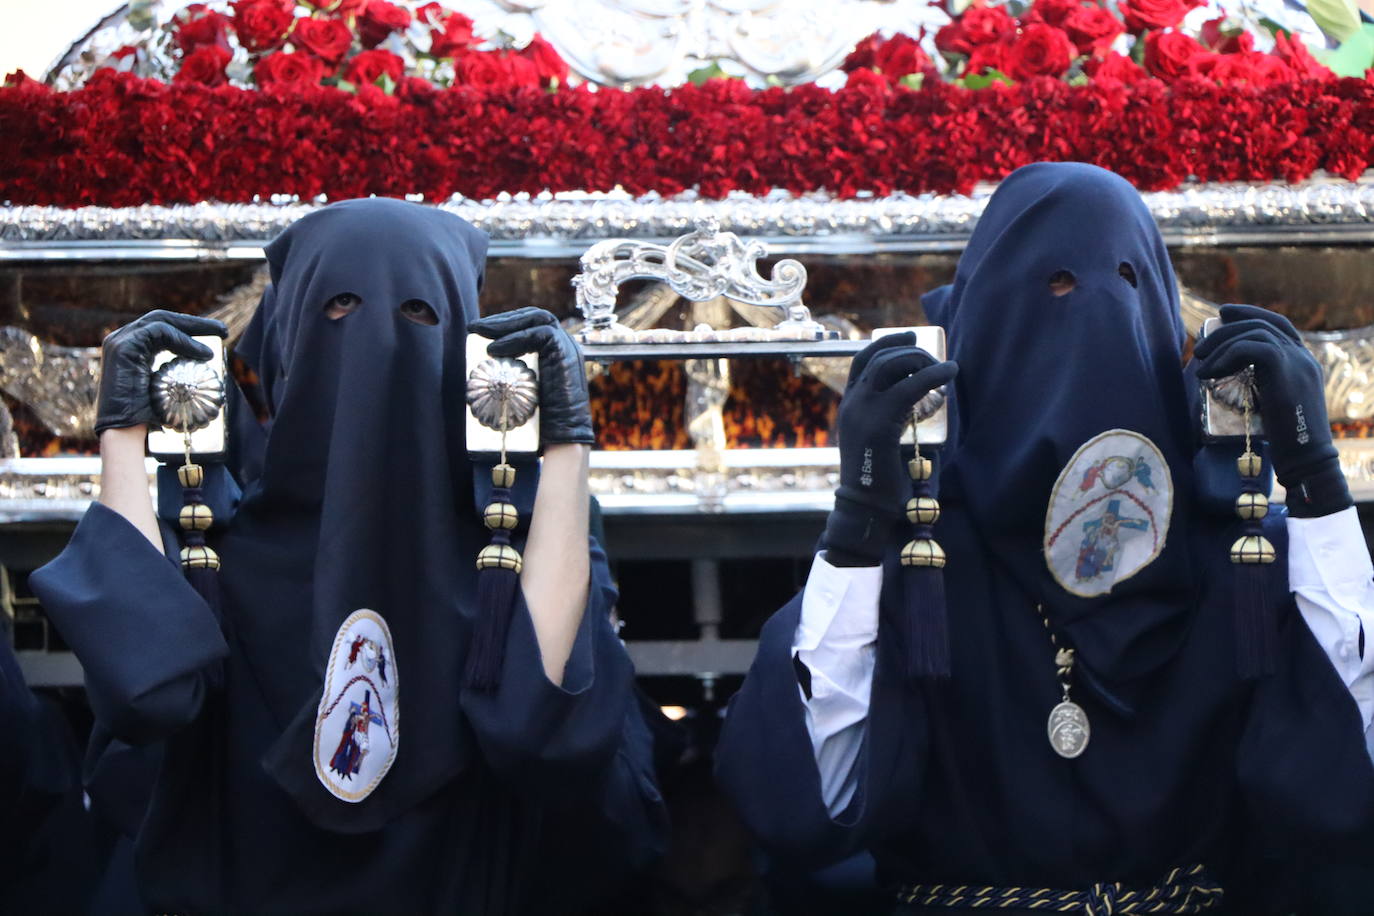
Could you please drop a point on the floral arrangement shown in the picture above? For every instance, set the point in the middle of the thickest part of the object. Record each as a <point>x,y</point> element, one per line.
<point>357,97</point>
<point>346,44</point>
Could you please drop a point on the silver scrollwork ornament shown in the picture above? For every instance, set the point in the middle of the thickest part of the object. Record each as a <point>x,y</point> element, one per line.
<point>187,394</point>
<point>503,393</point>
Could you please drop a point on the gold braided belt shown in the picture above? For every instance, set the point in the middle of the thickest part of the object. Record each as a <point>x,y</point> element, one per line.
<point>1186,889</point>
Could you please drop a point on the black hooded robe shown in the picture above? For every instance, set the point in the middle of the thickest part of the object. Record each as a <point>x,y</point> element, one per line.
<point>533,797</point>
<point>957,782</point>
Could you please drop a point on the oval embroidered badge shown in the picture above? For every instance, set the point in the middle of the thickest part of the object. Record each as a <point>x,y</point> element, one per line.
<point>1109,512</point>
<point>357,729</point>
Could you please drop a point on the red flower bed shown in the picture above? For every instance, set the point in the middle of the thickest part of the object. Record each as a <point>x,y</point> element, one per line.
<point>122,140</point>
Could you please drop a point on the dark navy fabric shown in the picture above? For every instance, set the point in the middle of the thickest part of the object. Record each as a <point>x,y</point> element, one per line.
<point>357,493</point>
<point>958,782</point>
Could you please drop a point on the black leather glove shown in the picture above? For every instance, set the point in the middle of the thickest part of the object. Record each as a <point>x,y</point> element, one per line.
<point>1292,403</point>
<point>126,363</point>
<point>886,379</point>
<point>565,412</point>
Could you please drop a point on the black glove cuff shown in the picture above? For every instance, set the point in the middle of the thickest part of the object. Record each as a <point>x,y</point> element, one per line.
<point>856,534</point>
<point>1320,492</point>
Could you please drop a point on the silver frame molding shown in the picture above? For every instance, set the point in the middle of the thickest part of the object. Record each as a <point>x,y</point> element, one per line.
<point>1322,210</point>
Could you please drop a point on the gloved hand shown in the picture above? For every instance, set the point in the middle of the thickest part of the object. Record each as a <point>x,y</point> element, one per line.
<point>1291,401</point>
<point>886,379</point>
<point>126,363</point>
<point>565,413</point>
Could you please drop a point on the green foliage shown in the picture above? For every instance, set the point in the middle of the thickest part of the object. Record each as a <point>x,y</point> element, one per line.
<point>1354,56</point>
<point>985,79</point>
<point>710,72</point>
<point>1338,18</point>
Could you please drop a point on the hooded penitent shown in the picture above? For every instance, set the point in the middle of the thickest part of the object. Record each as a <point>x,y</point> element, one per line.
<point>1071,446</point>
<point>358,507</point>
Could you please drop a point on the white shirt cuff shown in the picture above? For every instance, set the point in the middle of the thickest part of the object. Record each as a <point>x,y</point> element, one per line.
<point>840,604</point>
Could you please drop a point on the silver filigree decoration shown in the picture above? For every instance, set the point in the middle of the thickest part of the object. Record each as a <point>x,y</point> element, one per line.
<point>58,383</point>
<point>930,405</point>
<point>699,266</point>
<point>1321,210</point>
<point>187,394</point>
<point>1235,391</point>
<point>502,393</point>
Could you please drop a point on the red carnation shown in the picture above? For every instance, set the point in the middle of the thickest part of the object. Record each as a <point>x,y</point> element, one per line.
<point>1294,53</point>
<point>1042,50</point>
<point>261,25</point>
<point>330,39</point>
<point>367,67</point>
<point>546,60</point>
<point>289,69</point>
<point>1092,29</point>
<point>1142,15</point>
<point>205,66</point>
<point>453,38</point>
<point>1167,54</point>
<point>379,20</point>
<point>200,27</point>
<point>1116,67</point>
<point>900,55</point>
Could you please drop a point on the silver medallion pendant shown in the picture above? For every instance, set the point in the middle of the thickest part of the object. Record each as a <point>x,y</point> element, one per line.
<point>1068,729</point>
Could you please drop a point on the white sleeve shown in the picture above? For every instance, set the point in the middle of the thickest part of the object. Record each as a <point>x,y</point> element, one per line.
<point>1332,579</point>
<point>835,640</point>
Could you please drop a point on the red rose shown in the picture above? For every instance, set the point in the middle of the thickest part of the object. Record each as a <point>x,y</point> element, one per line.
<point>261,25</point>
<point>338,7</point>
<point>483,69</point>
<point>367,67</point>
<point>379,20</point>
<point>453,38</point>
<point>900,55</point>
<point>1294,53</point>
<point>520,70</point>
<point>1116,67</point>
<point>1167,54</point>
<point>979,25</point>
<point>200,27</point>
<point>863,55</point>
<point>1225,42</point>
<point>1141,15</point>
<point>205,66</point>
<point>1052,12</point>
<point>1245,67</point>
<point>289,69</point>
<point>988,57</point>
<point>1042,50</point>
<point>1092,29</point>
<point>330,39</point>
<point>432,13</point>
<point>547,61</point>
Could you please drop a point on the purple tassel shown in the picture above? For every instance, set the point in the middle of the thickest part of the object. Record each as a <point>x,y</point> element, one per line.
<point>495,605</point>
<point>927,651</point>
<point>1256,624</point>
<point>206,582</point>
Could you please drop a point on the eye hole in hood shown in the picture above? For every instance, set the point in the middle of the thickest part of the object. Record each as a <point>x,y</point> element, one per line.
<point>341,305</point>
<point>418,311</point>
<point>1062,282</point>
